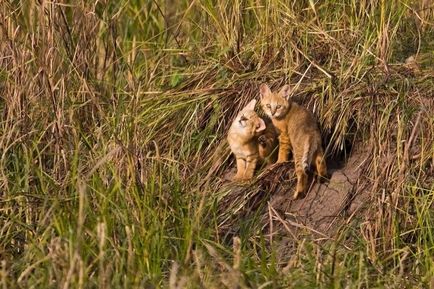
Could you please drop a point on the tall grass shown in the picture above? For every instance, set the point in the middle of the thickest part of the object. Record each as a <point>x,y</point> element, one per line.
<point>115,112</point>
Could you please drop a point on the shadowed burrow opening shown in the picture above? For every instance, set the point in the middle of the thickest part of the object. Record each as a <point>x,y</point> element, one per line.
<point>336,159</point>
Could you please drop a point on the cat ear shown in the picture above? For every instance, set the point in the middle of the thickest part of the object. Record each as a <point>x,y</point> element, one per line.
<point>284,91</point>
<point>250,105</point>
<point>260,126</point>
<point>264,90</point>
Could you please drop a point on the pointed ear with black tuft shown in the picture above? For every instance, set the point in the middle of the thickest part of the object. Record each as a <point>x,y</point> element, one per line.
<point>260,126</point>
<point>264,90</point>
<point>284,91</point>
<point>250,105</point>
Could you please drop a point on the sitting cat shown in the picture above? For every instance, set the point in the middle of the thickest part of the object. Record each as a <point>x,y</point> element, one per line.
<point>251,139</point>
<point>298,131</point>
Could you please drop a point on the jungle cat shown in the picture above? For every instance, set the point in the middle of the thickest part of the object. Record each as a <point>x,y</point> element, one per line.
<point>251,140</point>
<point>298,131</point>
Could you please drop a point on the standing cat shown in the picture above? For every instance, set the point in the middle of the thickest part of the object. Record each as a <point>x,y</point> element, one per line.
<point>251,140</point>
<point>298,131</point>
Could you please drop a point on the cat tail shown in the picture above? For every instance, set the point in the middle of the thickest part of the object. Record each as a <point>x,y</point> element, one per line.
<point>308,150</point>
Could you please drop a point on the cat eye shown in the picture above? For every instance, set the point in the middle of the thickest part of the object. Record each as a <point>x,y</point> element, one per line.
<point>243,118</point>
<point>268,106</point>
<point>279,106</point>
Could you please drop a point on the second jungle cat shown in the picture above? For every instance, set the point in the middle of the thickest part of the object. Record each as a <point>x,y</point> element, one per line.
<point>251,140</point>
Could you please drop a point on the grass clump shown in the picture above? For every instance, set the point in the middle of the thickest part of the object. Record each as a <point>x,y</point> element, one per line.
<point>112,143</point>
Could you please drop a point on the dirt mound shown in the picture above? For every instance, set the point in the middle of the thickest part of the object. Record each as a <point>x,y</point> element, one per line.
<point>326,202</point>
<point>325,207</point>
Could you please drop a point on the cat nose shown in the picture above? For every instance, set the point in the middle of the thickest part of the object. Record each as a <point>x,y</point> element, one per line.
<point>273,111</point>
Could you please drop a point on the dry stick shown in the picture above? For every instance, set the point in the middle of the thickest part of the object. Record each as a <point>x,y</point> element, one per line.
<point>309,228</point>
<point>271,223</point>
<point>283,222</point>
<point>410,140</point>
<point>68,32</point>
<point>405,160</point>
<point>167,25</point>
<point>102,161</point>
<point>313,62</point>
<point>301,79</point>
<point>30,268</point>
<point>415,12</point>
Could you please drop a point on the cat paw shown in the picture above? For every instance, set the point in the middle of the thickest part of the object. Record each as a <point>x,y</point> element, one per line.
<point>236,179</point>
<point>298,195</point>
<point>262,140</point>
<point>321,179</point>
<point>240,179</point>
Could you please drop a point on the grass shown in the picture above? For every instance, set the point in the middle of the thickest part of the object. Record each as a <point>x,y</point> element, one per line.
<point>112,143</point>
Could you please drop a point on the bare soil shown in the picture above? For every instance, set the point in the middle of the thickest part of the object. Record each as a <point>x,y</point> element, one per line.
<point>327,202</point>
<point>319,214</point>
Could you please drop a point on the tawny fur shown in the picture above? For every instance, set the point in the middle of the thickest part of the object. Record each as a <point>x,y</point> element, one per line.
<point>298,131</point>
<point>251,140</point>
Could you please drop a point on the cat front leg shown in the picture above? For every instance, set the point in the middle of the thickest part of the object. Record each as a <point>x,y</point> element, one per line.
<point>241,169</point>
<point>251,162</point>
<point>246,168</point>
<point>284,148</point>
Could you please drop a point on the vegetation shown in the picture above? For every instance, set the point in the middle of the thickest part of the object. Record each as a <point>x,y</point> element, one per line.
<point>112,141</point>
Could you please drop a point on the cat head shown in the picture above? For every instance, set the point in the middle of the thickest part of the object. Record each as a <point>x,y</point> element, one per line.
<point>275,105</point>
<point>249,121</point>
